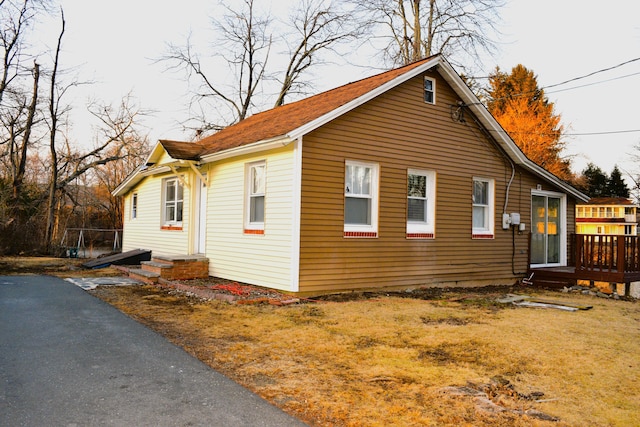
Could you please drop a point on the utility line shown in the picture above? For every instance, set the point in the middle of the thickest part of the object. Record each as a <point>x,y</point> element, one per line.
<point>591,74</point>
<point>594,83</point>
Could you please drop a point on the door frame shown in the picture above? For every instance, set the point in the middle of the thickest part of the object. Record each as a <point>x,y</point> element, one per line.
<point>199,237</point>
<point>562,224</point>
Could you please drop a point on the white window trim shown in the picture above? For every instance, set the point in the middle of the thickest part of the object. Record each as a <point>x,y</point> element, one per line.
<point>433,90</point>
<point>178,181</point>
<point>248,224</point>
<point>365,230</point>
<point>424,229</point>
<point>488,231</point>
<point>134,206</point>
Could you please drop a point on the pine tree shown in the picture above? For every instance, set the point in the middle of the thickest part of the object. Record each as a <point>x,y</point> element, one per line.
<point>616,187</point>
<point>595,181</point>
<point>524,112</point>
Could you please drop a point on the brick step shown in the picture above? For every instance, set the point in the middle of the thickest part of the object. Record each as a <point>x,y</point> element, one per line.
<point>144,276</point>
<point>178,267</point>
<point>154,266</point>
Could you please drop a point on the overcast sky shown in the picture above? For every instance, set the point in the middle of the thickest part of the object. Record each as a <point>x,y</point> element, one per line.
<point>115,43</point>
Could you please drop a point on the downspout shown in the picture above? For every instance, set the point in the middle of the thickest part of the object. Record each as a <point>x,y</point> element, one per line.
<point>459,116</point>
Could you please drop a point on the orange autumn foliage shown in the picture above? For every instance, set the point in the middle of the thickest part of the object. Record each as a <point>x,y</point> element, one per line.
<point>524,112</point>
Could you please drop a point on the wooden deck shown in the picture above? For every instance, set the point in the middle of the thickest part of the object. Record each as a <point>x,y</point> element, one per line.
<point>612,259</point>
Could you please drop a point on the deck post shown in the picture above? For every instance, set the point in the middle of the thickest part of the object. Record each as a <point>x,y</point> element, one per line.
<point>620,261</point>
<point>579,243</point>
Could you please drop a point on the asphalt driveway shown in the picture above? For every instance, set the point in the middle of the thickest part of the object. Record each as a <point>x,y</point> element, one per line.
<point>69,359</point>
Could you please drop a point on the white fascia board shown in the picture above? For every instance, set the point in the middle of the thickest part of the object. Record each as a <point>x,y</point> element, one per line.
<point>256,147</point>
<point>505,141</point>
<point>128,182</point>
<point>136,176</point>
<point>314,124</point>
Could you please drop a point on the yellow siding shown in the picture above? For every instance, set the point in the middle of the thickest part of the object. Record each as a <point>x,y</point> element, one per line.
<point>399,131</point>
<point>144,232</point>
<point>257,259</point>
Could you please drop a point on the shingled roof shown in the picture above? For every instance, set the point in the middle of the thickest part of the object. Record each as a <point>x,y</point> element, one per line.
<point>283,124</point>
<point>280,120</point>
<point>182,150</point>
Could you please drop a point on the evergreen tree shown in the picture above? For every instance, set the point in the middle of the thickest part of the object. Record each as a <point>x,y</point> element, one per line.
<point>524,112</point>
<point>616,187</point>
<point>595,181</point>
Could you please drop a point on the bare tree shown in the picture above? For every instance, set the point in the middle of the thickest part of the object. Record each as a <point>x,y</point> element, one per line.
<point>14,17</point>
<point>244,46</point>
<point>318,28</point>
<point>55,113</point>
<point>415,29</point>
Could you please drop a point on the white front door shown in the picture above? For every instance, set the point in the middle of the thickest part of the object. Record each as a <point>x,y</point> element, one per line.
<point>200,220</point>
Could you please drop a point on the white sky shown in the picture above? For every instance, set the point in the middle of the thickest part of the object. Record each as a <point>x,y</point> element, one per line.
<point>114,44</point>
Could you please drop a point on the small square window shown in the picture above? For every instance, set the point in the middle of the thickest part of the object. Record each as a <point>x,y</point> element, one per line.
<point>429,90</point>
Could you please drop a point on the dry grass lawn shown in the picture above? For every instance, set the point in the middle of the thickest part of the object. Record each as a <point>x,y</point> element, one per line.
<point>387,360</point>
<point>455,359</point>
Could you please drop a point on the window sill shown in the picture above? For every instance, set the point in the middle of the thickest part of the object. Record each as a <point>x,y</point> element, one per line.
<point>171,227</point>
<point>420,236</point>
<point>252,231</point>
<point>365,234</point>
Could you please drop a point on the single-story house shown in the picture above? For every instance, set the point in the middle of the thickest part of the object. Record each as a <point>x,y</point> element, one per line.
<point>401,179</point>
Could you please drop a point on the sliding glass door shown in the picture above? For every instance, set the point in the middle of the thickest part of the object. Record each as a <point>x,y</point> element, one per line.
<point>548,229</point>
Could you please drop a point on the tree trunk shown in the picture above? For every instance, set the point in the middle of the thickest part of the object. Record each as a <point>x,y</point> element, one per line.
<point>22,163</point>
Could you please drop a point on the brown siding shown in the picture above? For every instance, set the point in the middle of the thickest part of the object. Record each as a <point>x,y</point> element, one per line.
<point>398,131</point>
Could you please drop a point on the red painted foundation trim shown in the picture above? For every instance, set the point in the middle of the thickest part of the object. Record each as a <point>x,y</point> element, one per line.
<point>171,227</point>
<point>420,236</point>
<point>367,234</point>
<point>482,236</point>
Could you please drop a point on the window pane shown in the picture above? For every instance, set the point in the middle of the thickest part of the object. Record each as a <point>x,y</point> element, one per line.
<point>170,213</point>
<point>480,192</point>
<point>357,211</point>
<point>257,179</point>
<point>417,186</point>
<point>358,180</point>
<point>256,210</point>
<point>479,217</point>
<point>179,212</point>
<point>416,210</point>
<point>171,191</point>
<point>180,190</point>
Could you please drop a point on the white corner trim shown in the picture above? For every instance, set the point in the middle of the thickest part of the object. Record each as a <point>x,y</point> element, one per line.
<point>296,202</point>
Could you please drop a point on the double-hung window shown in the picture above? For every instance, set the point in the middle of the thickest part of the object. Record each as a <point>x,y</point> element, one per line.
<point>483,208</point>
<point>361,199</point>
<point>173,202</point>
<point>421,201</point>
<point>255,197</point>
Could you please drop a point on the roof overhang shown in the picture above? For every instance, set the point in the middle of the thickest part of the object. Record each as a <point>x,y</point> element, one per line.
<point>510,148</point>
<point>149,168</point>
<point>243,150</point>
